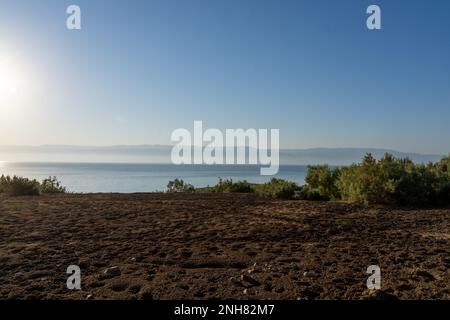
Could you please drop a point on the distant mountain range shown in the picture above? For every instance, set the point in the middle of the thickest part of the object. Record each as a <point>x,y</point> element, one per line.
<point>161,154</point>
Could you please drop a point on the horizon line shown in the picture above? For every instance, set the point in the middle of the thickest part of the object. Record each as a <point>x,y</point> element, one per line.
<point>246,146</point>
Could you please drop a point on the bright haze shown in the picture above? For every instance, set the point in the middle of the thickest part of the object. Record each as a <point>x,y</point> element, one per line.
<point>138,70</point>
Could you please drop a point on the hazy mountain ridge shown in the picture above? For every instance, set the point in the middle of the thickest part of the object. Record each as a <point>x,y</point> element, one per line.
<point>161,154</point>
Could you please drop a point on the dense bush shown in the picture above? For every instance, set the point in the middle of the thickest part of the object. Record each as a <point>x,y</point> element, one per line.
<point>18,186</point>
<point>307,193</point>
<point>442,169</point>
<point>242,187</point>
<point>395,181</point>
<point>321,183</point>
<point>228,186</point>
<point>362,182</point>
<point>279,188</point>
<point>179,185</point>
<point>52,186</point>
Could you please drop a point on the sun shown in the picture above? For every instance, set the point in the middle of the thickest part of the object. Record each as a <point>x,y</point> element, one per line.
<point>11,79</point>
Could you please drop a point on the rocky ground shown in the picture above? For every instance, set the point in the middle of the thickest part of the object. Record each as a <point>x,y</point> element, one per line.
<point>200,246</point>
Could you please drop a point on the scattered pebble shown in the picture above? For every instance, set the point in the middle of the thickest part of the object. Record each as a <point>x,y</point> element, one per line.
<point>235,281</point>
<point>248,278</point>
<point>113,271</point>
<point>310,274</point>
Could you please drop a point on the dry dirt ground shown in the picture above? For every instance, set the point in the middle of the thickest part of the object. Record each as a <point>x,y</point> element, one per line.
<point>200,246</point>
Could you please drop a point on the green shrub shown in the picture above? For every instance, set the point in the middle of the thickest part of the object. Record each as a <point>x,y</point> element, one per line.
<point>305,193</point>
<point>361,182</point>
<point>178,185</point>
<point>241,187</point>
<point>275,188</point>
<point>228,186</point>
<point>52,186</point>
<point>18,186</point>
<point>395,181</point>
<point>321,183</point>
<point>442,188</point>
<point>279,189</point>
<point>385,181</point>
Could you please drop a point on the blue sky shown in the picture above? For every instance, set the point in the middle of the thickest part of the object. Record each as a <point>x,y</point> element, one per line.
<point>140,69</point>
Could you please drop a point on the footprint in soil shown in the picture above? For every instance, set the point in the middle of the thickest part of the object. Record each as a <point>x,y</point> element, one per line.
<point>308,294</point>
<point>404,287</point>
<point>134,289</point>
<point>185,253</point>
<point>425,275</point>
<point>96,284</point>
<point>119,286</point>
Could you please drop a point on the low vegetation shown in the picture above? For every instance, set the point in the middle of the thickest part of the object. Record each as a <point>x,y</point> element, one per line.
<point>18,186</point>
<point>395,181</point>
<point>179,185</point>
<point>51,185</point>
<point>279,188</point>
<point>388,180</point>
<point>275,188</point>
<point>228,186</point>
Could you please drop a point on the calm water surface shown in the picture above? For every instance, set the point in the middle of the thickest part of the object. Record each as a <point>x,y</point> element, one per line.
<point>101,177</point>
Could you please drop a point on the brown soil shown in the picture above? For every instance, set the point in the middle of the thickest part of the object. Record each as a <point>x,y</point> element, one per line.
<point>202,246</point>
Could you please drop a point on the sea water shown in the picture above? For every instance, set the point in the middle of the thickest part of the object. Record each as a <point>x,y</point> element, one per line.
<point>128,178</point>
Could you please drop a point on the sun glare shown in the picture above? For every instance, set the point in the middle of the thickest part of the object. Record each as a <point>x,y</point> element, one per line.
<point>12,80</point>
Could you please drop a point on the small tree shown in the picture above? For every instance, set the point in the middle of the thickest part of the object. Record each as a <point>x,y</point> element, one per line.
<point>52,186</point>
<point>178,185</point>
